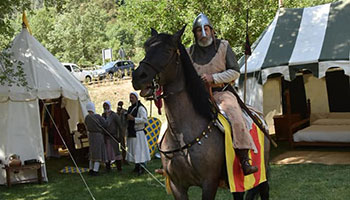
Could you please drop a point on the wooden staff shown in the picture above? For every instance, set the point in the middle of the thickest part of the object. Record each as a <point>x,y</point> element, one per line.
<point>253,117</point>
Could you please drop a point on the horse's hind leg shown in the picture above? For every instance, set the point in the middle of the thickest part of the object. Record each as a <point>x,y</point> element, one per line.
<point>179,192</point>
<point>252,193</point>
<point>264,190</point>
<point>238,195</point>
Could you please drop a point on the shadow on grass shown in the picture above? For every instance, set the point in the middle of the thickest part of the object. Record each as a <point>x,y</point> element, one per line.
<point>300,181</point>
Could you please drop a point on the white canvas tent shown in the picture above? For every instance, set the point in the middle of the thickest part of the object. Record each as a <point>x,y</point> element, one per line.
<point>20,131</point>
<point>298,39</point>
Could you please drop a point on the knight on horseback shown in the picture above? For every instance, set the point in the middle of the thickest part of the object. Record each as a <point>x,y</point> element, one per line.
<point>216,64</point>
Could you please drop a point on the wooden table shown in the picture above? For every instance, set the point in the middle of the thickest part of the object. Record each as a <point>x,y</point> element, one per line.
<point>33,166</point>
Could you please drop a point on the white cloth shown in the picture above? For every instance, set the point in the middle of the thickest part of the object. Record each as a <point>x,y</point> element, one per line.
<point>141,118</point>
<point>135,94</point>
<point>225,76</point>
<point>109,104</point>
<point>138,150</point>
<point>90,107</point>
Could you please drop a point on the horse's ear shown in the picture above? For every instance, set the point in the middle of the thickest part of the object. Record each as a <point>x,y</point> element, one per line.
<point>178,34</point>
<point>153,32</point>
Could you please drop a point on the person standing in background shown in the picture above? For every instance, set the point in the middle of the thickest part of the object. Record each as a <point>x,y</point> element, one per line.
<point>112,136</point>
<point>137,142</point>
<point>97,150</point>
<point>121,112</point>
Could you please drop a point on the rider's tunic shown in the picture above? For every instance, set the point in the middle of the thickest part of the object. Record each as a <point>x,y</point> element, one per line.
<point>226,100</point>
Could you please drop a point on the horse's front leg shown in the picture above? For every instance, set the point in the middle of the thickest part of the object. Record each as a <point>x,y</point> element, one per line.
<point>209,189</point>
<point>179,192</point>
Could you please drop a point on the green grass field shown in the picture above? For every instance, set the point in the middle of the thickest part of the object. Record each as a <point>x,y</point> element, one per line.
<point>301,181</point>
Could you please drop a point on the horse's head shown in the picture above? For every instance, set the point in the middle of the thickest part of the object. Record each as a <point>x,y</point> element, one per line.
<point>160,62</point>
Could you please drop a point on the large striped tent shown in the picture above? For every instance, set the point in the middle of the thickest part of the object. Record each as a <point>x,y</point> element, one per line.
<point>313,39</point>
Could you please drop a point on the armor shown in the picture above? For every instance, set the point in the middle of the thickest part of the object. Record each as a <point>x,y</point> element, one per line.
<point>201,21</point>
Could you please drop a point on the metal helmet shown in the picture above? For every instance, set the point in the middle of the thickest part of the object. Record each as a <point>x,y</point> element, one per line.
<point>201,21</point>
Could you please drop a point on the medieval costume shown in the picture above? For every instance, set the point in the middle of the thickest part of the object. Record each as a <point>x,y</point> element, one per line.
<point>97,150</point>
<point>121,112</point>
<point>216,63</point>
<point>112,136</point>
<point>137,142</point>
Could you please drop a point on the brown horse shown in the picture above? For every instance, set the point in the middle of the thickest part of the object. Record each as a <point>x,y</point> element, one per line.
<point>189,157</point>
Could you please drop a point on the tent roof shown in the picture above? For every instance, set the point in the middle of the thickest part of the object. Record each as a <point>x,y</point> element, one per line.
<point>46,76</point>
<point>313,38</point>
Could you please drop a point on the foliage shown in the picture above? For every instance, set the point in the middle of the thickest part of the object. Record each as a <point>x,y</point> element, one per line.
<point>77,31</point>
<point>8,12</point>
<point>11,71</point>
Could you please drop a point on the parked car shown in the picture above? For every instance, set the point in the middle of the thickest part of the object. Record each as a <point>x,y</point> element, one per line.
<point>99,73</point>
<point>81,75</point>
<point>121,66</point>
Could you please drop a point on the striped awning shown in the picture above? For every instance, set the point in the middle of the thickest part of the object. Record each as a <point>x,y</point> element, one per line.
<point>314,38</point>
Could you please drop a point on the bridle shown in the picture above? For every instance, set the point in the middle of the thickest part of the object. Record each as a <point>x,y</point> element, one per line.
<point>157,78</point>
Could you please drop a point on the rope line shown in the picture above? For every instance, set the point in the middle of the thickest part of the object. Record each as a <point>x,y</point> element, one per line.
<point>155,178</point>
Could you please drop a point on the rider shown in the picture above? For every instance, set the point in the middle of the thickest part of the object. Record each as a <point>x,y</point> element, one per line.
<point>216,63</point>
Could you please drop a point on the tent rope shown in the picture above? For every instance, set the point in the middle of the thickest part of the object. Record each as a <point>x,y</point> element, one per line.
<point>115,140</point>
<point>64,143</point>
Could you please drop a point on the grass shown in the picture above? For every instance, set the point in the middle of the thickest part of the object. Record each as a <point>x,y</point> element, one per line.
<point>287,182</point>
<point>294,182</point>
<point>113,185</point>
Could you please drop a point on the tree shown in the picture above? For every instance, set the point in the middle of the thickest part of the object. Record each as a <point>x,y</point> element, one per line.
<point>11,71</point>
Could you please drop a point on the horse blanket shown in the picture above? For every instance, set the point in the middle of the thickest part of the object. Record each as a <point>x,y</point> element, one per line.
<point>237,181</point>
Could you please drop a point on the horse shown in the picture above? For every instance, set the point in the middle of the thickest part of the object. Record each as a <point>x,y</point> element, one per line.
<point>192,148</point>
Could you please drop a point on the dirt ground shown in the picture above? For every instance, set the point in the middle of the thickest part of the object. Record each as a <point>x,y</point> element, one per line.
<point>320,157</point>
<point>117,91</point>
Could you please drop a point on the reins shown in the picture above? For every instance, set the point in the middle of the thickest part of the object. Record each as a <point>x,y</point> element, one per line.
<point>155,81</point>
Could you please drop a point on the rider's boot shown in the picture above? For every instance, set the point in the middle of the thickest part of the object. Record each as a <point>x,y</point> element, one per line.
<point>244,159</point>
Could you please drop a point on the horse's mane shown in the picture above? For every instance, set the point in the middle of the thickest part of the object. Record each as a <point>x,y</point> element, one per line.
<point>195,86</point>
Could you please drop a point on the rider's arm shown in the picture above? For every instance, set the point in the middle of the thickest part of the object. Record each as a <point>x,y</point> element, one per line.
<point>232,69</point>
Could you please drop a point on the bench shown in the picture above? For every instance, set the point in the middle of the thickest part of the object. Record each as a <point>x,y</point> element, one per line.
<point>33,166</point>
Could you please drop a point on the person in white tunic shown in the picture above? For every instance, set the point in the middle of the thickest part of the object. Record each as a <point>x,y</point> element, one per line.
<point>137,143</point>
